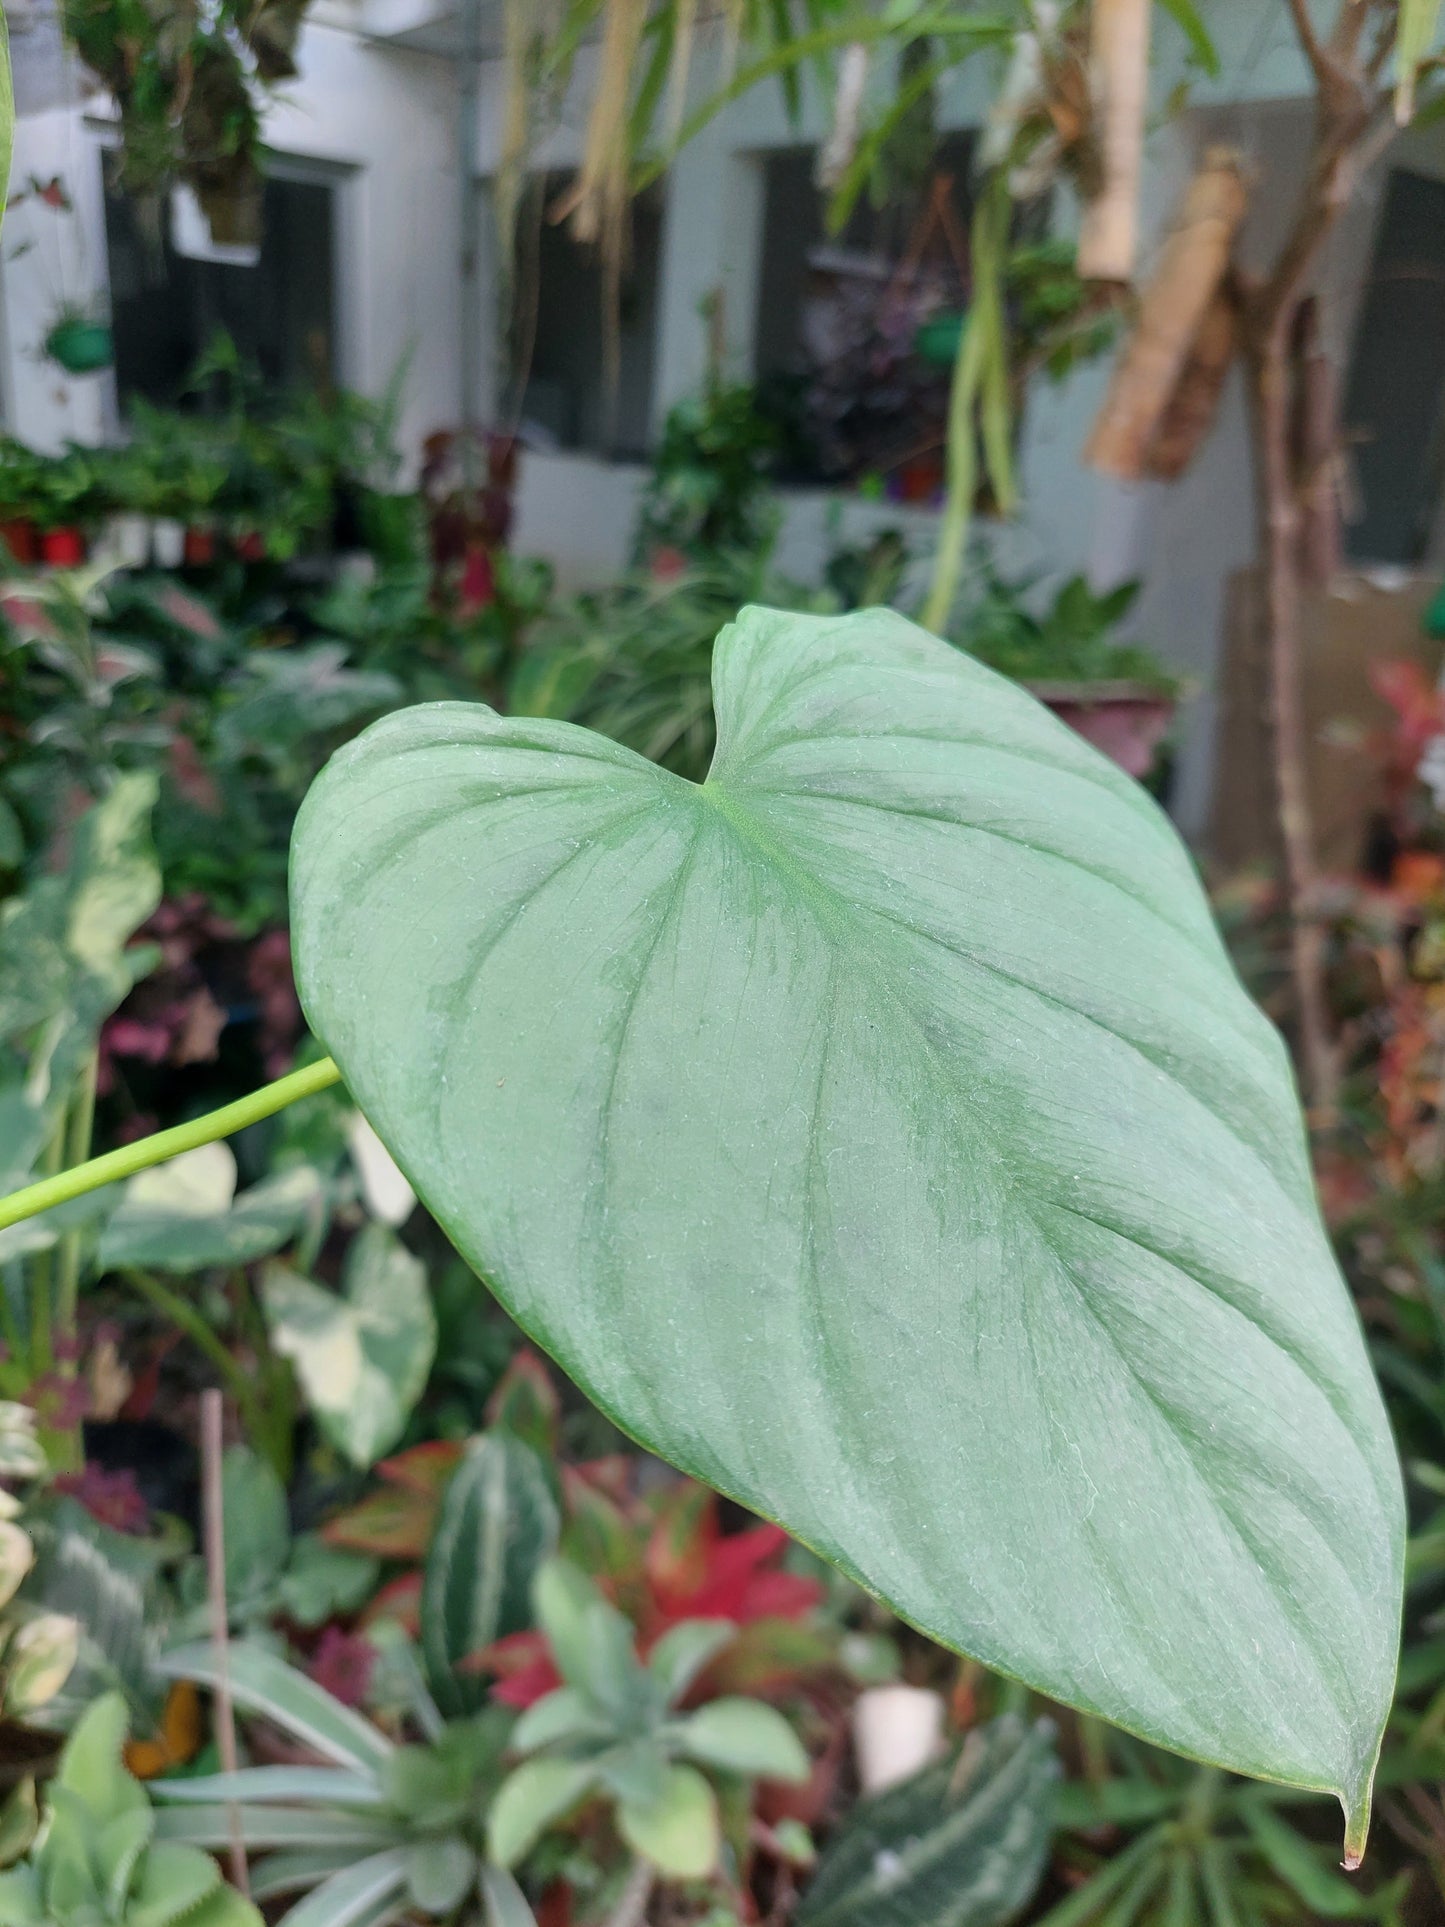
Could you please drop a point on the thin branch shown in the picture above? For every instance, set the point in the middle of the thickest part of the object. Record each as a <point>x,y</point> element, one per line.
<point>1304,26</point>
<point>1270,387</point>
<point>1349,29</point>
<point>1383,48</point>
<point>215,1530</point>
<point>631,1908</point>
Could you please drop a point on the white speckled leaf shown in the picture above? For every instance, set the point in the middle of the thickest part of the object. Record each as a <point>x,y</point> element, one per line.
<point>879,1132</point>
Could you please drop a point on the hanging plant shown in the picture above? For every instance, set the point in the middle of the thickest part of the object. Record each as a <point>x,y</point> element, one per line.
<point>190,87</point>
<point>81,342</point>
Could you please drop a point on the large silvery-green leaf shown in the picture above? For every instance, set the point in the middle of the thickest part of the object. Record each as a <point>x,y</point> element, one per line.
<point>879,1131</point>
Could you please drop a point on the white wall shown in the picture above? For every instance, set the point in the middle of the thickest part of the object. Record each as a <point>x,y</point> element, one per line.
<point>48,258</point>
<point>382,120</point>
<point>388,116</point>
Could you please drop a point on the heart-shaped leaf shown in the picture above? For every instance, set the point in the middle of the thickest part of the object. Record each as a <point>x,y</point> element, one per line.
<point>879,1131</point>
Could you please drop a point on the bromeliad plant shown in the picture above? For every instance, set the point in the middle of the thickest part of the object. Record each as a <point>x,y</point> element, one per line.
<point>878,1131</point>
<point>384,1828</point>
<point>379,1832</point>
<point>615,1728</point>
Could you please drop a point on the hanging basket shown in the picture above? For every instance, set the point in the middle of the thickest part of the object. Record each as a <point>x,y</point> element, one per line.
<point>937,339</point>
<point>81,347</point>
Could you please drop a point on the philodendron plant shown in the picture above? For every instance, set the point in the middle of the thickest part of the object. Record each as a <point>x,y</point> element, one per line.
<point>879,1131</point>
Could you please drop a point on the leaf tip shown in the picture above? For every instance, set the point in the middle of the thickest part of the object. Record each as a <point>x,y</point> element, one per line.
<point>1357,1827</point>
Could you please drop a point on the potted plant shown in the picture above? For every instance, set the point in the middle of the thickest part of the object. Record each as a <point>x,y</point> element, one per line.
<point>65,500</point>
<point>19,471</point>
<point>202,478</point>
<point>126,487</point>
<point>193,472</point>
<point>273,510</point>
<point>1115,694</point>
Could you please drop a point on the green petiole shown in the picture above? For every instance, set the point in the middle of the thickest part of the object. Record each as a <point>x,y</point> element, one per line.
<point>146,1151</point>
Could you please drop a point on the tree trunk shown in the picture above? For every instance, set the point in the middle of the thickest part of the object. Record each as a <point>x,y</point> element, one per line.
<point>1269,360</point>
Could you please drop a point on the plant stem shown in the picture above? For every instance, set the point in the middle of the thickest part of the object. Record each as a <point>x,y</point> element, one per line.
<point>77,1149</point>
<point>274,1387</point>
<point>180,1311</point>
<point>42,1341</point>
<point>215,1538</point>
<point>978,402</point>
<point>147,1151</point>
<point>631,1908</point>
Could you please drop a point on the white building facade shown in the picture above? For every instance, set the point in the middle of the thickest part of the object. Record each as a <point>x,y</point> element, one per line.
<point>374,126</point>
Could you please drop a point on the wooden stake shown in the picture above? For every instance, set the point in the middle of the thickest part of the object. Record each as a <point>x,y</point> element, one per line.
<point>1119,85</point>
<point>1192,266</point>
<point>215,1535</point>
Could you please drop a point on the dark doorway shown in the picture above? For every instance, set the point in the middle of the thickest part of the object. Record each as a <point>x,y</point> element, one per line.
<point>1394,412</point>
<point>166,308</point>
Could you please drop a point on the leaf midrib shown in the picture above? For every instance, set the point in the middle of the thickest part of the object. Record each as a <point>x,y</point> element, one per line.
<point>833,912</point>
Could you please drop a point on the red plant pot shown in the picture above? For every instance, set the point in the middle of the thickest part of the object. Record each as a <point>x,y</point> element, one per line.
<point>250,547</point>
<point>200,549</point>
<point>21,539</point>
<point>62,548</point>
<point>1128,721</point>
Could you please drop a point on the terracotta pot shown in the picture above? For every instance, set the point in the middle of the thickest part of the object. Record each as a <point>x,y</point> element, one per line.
<point>1127,720</point>
<point>919,480</point>
<point>20,538</point>
<point>200,548</point>
<point>62,548</point>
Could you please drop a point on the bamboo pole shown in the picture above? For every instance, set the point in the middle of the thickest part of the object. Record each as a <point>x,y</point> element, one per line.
<point>1119,86</point>
<point>1192,266</point>
<point>1186,422</point>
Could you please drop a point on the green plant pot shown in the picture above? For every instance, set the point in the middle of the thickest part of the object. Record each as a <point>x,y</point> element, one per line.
<point>937,340</point>
<point>81,347</point>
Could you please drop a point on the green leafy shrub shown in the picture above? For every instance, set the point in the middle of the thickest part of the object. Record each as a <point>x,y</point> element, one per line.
<point>1070,641</point>
<point>97,1857</point>
<point>614,1728</point>
<point>381,1830</point>
<point>708,488</point>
